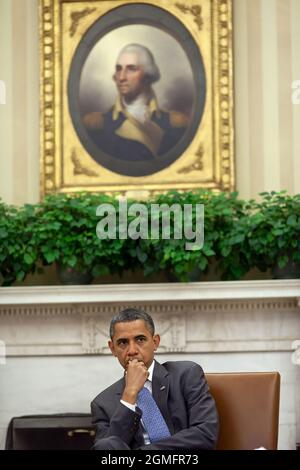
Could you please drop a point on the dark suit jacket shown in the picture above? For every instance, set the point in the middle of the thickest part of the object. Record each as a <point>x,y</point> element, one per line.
<point>182,394</point>
<point>131,150</point>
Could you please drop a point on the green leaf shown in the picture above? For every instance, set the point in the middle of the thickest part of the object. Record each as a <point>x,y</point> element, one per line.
<point>20,276</point>
<point>292,220</point>
<point>203,263</point>
<point>208,251</point>
<point>51,256</point>
<point>237,239</point>
<point>28,259</point>
<point>225,251</point>
<point>3,233</point>
<point>282,261</point>
<point>72,261</point>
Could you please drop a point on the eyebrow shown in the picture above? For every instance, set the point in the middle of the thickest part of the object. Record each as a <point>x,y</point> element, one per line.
<point>127,65</point>
<point>141,336</point>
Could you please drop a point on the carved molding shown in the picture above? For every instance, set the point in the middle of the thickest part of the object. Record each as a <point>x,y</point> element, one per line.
<point>225,104</point>
<point>184,328</point>
<point>201,292</point>
<point>197,165</point>
<point>39,311</point>
<point>153,307</point>
<point>74,320</point>
<point>94,335</point>
<point>172,329</point>
<point>80,169</point>
<point>76,16</point>
<point>47,52</point>
<point>195,11</point>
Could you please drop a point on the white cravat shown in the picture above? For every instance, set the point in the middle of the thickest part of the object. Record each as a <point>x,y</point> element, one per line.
<point>139,108</point>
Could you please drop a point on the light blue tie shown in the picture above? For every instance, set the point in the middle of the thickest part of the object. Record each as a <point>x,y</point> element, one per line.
<point>153,420</point>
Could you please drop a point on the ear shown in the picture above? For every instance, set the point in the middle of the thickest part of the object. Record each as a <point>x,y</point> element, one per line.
<point>111,347</point>
<point>156,340</point>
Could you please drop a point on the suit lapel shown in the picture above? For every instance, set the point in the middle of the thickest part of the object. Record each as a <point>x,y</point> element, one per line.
<point>160,391</point>
<point>120,387</point>
<point>148,134</point>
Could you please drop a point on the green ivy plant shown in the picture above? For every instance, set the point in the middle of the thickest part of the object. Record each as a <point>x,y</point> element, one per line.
<point>264,234</point>
<point>232,246</point>
<point>65,233</point>
<point>171,254</point>
<point>274,230</point>
<point>238,235</point>
<point>18,252</point>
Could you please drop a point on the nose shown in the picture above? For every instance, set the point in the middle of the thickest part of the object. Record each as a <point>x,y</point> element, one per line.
<point>132,349</point>
<point>122,74</point>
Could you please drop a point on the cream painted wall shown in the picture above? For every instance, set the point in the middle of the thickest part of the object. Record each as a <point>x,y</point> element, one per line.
<point>19,117</point>
<point>267,124</point>
<point>266,61</point>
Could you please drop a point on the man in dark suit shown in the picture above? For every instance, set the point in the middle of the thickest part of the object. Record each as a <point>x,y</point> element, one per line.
<point>188,416</point>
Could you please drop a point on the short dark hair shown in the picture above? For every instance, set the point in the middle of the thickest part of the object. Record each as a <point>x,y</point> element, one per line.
<point>131,314</point>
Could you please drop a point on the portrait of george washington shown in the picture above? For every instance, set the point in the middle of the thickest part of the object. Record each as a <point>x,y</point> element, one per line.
<point>135,128</point>
<point>139,96</point>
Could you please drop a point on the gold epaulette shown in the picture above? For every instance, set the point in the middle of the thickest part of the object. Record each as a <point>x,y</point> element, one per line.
<point>178,119</point>
<point>94,120</point>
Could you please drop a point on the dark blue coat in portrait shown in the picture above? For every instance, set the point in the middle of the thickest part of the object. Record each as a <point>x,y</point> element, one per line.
<point>121,136</point>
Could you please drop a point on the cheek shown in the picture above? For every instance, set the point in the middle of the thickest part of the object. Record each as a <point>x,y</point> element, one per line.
<point>141,78</point>
<point>137,78</point>
<point>121,358</point>
<point>119,353</point>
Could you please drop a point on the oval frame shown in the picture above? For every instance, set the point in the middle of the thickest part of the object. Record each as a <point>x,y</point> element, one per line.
<point>118,17</point>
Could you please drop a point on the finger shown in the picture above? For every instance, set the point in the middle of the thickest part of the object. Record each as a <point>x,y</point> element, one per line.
<point>132,361</point>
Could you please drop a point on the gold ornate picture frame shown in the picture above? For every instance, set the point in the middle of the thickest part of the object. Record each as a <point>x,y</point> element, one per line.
<point>89,139</point>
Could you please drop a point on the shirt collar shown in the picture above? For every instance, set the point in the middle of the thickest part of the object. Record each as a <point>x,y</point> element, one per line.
<point>150,370</point>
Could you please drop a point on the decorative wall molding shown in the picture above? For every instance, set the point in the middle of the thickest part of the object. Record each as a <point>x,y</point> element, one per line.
<point>191,318</point>
<point>116,293</point>
<point>153,308</point>
<point>172,330</point>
